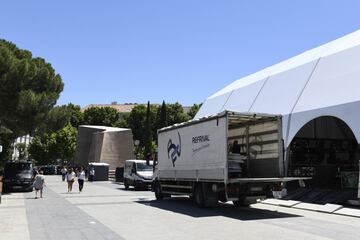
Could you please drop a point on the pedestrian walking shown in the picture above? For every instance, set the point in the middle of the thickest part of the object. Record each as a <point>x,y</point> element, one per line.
<point>92,174</point>
<point>70,178</point>
<point>81,178</point>
<point>63,173</point>
<point>39,184</point>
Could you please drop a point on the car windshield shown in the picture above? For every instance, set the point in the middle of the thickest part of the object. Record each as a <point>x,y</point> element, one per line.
<point>17,167</point>
<point>144,167</point>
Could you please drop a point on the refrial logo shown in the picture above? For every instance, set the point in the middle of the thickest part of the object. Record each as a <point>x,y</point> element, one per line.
<point>174,151</point>
<point>199,143</point>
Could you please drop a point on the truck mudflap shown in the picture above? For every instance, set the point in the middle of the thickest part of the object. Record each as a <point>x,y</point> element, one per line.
<point>266,180</point>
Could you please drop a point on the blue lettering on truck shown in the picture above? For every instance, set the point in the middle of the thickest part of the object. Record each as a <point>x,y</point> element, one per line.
<point>200,139</point>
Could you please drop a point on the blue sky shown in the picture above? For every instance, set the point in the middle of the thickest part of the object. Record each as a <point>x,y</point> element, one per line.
<point>172,50</point>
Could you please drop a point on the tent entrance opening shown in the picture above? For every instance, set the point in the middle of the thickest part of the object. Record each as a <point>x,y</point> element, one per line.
<point>326,150</point>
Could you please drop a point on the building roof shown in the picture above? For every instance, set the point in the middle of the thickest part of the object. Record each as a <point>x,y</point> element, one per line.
<point>105,128</point>
<point>121,108</point>
<point>127,107</point>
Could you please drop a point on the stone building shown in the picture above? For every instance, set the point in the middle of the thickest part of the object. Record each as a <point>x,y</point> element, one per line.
<point>104,145</point>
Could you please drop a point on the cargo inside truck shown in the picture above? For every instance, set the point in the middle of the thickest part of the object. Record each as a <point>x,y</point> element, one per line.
<point>255,147</point>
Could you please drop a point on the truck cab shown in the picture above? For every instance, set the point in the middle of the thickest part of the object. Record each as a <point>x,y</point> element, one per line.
<point>138,173</point>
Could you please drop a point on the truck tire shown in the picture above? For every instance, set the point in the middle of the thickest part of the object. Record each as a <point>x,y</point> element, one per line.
<point>5,189</point>
<point>199,198</point>
<point>126,184</point>
<point>240,203</point>
<point>157,190</point>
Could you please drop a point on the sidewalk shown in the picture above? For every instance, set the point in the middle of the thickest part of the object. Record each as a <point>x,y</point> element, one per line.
<point>52,217</point>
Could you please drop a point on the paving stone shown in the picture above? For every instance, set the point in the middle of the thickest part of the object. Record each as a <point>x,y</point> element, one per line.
<point>328,208</point>
<point>54,217</point>
<point>348,212</point>
<point>279,202</point>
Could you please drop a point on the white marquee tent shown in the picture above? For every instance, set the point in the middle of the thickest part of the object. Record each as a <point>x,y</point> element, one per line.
<point>324,81</point>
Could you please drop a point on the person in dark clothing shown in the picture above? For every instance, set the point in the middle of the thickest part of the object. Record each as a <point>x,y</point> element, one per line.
<point>81,178</point>
<point>235,147</point>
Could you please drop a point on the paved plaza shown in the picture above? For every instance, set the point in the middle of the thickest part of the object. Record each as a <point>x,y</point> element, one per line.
<point>105,210</point>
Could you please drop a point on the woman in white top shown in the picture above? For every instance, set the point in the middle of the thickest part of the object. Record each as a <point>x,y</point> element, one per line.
<point>39,184</point>
<point>81,178</point>
<point>70,178</point>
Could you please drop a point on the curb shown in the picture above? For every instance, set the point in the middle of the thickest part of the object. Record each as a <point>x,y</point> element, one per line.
<point>326,208</point>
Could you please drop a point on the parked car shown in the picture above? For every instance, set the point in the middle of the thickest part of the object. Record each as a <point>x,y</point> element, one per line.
<point>49,170</point>
<point>138,173</point>
<point>18,175</point>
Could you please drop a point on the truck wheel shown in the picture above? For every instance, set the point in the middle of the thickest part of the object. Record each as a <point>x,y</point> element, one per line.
<point>126,184</point>
<point>240,203</point>
<point>157,190</point>
<point>199,196</point>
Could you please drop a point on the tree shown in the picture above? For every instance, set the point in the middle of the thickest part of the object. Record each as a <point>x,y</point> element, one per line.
<point>193,110</point>
<point>176,114</point>
<point>65,140</point>
<point>148,131</point>
<point>162,116</point>
<point>49,147</point>
<point>42,149</point>
<point>161,119</point>
<point>29,88</point>
<point>60,116</point>
<point>101,116</point>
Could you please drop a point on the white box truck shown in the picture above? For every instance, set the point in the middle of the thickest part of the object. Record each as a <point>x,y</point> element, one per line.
<point>232,156</point>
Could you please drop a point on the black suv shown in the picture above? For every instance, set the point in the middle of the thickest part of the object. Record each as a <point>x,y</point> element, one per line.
<point>18,175</point>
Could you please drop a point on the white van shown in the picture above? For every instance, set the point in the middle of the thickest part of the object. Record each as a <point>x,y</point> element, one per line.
<point>138,174</point>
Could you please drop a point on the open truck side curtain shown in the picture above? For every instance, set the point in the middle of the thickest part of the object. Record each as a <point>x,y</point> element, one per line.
<point>228,157</point>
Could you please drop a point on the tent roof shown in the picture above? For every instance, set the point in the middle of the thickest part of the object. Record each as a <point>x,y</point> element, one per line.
<point>322,77</point>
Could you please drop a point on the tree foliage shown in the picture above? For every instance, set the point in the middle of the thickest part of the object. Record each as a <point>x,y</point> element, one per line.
<point>48,148</point>
<point>29,89</point>
<point>193,110</point>
<point>148,131</point>
<point>158,117</point>
<point>176,114</point>
<point>101,116</point>
<point>60,116</point>
<point>161,116</point>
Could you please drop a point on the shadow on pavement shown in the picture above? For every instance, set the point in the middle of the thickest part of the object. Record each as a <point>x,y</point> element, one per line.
<point>186,207</point>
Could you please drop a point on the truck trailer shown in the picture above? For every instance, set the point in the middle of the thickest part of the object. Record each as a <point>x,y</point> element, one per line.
<point>232,156</point>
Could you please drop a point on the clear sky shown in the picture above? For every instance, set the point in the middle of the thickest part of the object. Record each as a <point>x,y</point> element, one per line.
<point>172,50</point>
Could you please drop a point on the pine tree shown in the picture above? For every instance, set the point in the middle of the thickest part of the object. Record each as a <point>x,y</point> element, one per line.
<point>148,137</point>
